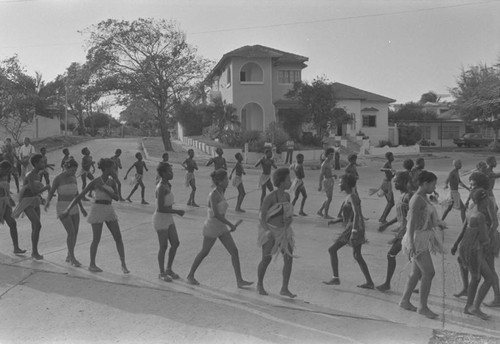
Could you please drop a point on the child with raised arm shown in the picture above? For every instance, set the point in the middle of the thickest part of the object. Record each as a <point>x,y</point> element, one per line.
<point>140,166</point>
<point>219,162</point>
<point>454,200</point>
<point>163,222</point>
<point>298,188</point>
<point>265,178</point>
<point>87,164</point>
<point>238,181</point>
<point>190,165</point>
<point>118,166</point>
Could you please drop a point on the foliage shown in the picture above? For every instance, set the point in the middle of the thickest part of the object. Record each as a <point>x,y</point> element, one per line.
<point>409,135</point>
<point>317,104</point>
<point>292,120</point>
<point>17,97</point>
<point>494,146</point>
<point>410,112</point>
<point>223,115</point>
<point>140,114</point>
<point>429,97</point>
<point>360,133</point>
<point>425,142</point>
<point>100,120</point>
<point>148,59</point>
<point>477,96</point>
<point>383,143</point>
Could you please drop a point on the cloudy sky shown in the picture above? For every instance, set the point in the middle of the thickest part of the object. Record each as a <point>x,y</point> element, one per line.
<point>396,48</point>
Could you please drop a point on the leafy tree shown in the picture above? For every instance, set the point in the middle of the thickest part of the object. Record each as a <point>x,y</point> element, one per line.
<point>148,59</point>
<point>429,97</point>
<point>192,117</point>
<point>317,104</point>
<point>223,114</point>
<point>477,96</point>
<point>140,113</point>
<point>411,112</point>
<point>18,96</point>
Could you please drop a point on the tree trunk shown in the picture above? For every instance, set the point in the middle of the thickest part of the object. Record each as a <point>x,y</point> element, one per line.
<point>165,134</point>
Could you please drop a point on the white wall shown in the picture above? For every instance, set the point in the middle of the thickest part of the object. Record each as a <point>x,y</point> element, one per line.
<point>39,128</point>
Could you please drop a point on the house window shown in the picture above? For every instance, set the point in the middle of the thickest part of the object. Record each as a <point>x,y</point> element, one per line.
<point>251,73</point>
<point>228,74</point>
<point>448,132</point>
<point>369,121</point>
<point>288,76</point>
<point>243,76</point>
<point>426,132</point>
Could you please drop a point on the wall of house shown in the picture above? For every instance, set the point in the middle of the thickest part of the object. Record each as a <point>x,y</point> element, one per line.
<point>254,92</point>
<point>279,90</point>
<point>381,131</point>
<point>224,87</point>
<point>40,127</point>
<point>351,107</point>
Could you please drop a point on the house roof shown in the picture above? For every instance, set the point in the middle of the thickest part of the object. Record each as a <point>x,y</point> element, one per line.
<point>258,51</point>
<point>343,92</point>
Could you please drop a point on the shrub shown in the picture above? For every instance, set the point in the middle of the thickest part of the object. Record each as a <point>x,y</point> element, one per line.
<point>360,133</point>
<point>231,137</point>
<point>250,136</point>
<point>277,135</point>
<point>383,143</point>
<point>494,146</point>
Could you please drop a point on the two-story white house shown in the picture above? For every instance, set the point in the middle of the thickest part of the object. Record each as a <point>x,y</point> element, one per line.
<point>255,79</point>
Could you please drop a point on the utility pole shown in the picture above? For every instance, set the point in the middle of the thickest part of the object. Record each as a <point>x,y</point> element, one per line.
<point>65,110</point>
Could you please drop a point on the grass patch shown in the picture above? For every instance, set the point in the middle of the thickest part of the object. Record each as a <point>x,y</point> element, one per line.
<point>154,146</point>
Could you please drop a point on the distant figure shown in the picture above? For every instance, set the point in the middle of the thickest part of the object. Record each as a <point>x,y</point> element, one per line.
<point>453,181</point>
<point>87,164</point>
<point>290,145</point>
<point>9,154</point>
<point>387,186</point>
<point>219,162</point>
<point>26,151</point>
<point>238,181</point>
<point>326,183</point>
<point>118,166</point>
<point>65,158</point>
<point>298,188</point>
<point>336,157</point>
<point>265,178</point>
<point>45,174</point>
<point>140,166</point>
<point>190,165</point>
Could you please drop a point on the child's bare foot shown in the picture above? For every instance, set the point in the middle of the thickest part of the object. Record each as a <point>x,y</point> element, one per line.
<point>383,287</point>
<point>195,205</point>
<point>239,210</point>
<point>172,274</point>
<point>122,199</point>
<point>68,259</point>
<point>17,250</point>
<point>261,290</point>
<point>427,313</point>
<point>407,306</point>
<point>124,269</point>
<point>461,293</point>
<point>36,256</point>
<point>327,217</point>
<point>366,286</point>
<point>382,227</point>
<point>192,280</point>
<point>494,303</point>
<point>94,268</point>
<point>75,263</point>
<point>319,213</point>
<point>333,281</point>
<point>301,213</point>
<point>334,221</point>
<point>144,202</point>
<point>165,277</point>
<point>478,313</point>
<point>243,284</point>
<point>128,200</point>
<point>286,292</point>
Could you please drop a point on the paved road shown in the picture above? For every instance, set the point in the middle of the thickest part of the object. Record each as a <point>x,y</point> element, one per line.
<point>49,301</point>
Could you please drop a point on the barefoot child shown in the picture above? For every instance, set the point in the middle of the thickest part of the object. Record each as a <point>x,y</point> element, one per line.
<point>45,174</point>
<point>118,166</point>
<point>6,204</point>
<point>87,164</point>
<point>9,154</point>
<point>275,231</point>
<point>298,188</point>
<point>218,161</point>
<point>265,178</point>
<point>29,202</point>
<point>238,181</point>
<point>140,166</point>
<point>190,165</point>
<point>215,227</point>
<point>65,158</point>
<point>163,222</point>
<point>453,181</point>
<point>326,183</point>
<point>387,186</point>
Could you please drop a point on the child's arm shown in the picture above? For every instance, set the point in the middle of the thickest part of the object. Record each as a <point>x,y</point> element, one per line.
<point>52,191</point>
<point>224,166</point>
<point>273,164</point>
<point>447,181</point>
<point>145,167</point>
<point>92,164</point>
<point>460,236</point>
<point>195,165</point>
<point>184,164</point>
<point>210,162</point>
<point>258,163</point>
<point>126,174</point>
<point>234,168</point>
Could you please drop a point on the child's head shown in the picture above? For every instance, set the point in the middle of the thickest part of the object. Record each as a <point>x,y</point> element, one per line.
<point>105,164</point>
<point>118,152</point>
<point>479,180</point>
<point>219,151</point>
<point>238,157</point>
<point>165,171</point>
<point>65,151</point>
<point>138,156</point>
<point>268,153</point>
<point>43,150</point>
<point>352,158</point>
<point>27,141</point>
<point>481,166</point>
<point>457,163</point>
<point>389,156</point>
<point>165,157</point>
<point>71,165</point>
<point>5,168</point>
<point>491,161</point>
<point>36,161</point>
<point>479,196</point>
<point>219,177</point>
<point>190,153</point>
<point>420,162</point>
<point>401,180</point>
<point>427,180</point>
<point>300,158</point>
<point>85,151</point>
<point>408,164</point>
<point>282,177</point>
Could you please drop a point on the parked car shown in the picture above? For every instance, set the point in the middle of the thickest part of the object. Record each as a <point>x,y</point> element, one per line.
<point>473,140</point>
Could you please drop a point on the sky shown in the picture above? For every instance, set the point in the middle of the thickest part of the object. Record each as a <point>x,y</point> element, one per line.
<point>396,48</point>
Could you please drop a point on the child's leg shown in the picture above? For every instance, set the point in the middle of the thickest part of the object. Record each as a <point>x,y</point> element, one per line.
<point>334,261</point>
<point>464,274</point>
<point>173,237</point>
<point>208,243</point>
<point>96,238</point>
<point>11,222</point>
<point>143,191</point>
<point>163,244</point>
<point>228,242</point>
<point>264,263</point>
<point>364,268</point>
<point>132,192</point>
<point>287,272</point>
<point>263,194</point>
<point>304,197</point>
<point>241,195</point>
<point>193,192</point>
<point>33,214</point>
<point>114,228</point>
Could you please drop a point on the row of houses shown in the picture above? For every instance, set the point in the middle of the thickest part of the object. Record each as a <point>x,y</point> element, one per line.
<point>255,79</point>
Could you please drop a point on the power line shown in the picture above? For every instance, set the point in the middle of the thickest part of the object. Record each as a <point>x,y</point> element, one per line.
<point>9,1</point>
<point>344,18</point>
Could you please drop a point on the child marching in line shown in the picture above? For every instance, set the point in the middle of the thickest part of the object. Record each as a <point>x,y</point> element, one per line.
<point>66,158</point>
<point>6,204</point>
<point>45,174</point>
<point>190,165</point>
<point>298,188</point>
<point>387,186</point>
<point>265,178</point>
<point>218,161</point>
<point>453,181</point>
<point>163,222</point>
<point>238,181</point>
<point>164,160</point>
<point>140,166</point>
<point>118,166</point>
<point>87,164</point>
<point>326,183</point>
